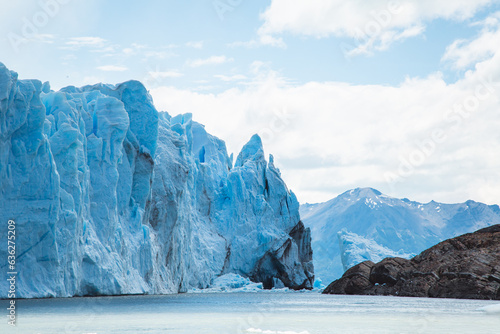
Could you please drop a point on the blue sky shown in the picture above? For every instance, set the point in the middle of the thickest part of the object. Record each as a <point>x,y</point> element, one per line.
<point>344,94</point>
<point>173,32</point>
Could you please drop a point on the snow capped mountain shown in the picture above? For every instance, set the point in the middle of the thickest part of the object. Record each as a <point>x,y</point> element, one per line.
<point>399,226</point>
<point>109,197</point>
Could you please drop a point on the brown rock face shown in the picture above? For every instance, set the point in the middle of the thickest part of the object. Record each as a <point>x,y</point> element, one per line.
<point>281,263</point>
<point>466,267</point>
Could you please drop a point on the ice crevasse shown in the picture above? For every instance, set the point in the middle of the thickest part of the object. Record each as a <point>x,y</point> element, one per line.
<point>110,196</point>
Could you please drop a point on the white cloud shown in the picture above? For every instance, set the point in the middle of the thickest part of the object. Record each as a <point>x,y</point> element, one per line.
<point>374,24</point>
<point>159,54</point>
<point>44,38</point>
<point>112,68</point>
<point>195,45</point>
<point>235,77</point>
<point>91,44</point>
<point>79,42</point>
<point>262,40</point>
<point>381,41</point>
<point>107,50</point>
<point>464,53</point>
<point>213,60</point>
<point>165,74</point>
<point>128,51</point>
<point>148,52</point>
<point>328,137</point>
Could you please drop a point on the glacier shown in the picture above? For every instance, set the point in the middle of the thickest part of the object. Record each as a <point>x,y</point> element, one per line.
<point>229,283</point>
<point>112,197</point>
<point>363,224</point>
<point>355,249</point>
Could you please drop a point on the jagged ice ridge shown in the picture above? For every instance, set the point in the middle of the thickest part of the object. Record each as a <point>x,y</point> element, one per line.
<point>112,197</point>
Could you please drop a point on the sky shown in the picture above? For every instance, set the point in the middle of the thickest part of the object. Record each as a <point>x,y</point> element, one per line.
<point>398,95</point>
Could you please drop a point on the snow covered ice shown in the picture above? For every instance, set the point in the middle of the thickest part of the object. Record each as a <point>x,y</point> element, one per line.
<point>111,197</point>
<point>355,249</point>
<point>231,283</point>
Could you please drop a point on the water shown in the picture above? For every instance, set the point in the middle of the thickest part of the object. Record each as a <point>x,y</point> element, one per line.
<point>266,312</point>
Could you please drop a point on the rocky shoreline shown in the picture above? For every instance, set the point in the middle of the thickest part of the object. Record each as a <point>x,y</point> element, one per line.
<point>465,267</point>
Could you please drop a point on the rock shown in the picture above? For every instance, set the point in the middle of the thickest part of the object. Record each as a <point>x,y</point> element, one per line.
<point>359,280</point>
<point>386,271</point>
<point>465,267</point>
<point>279,265</point>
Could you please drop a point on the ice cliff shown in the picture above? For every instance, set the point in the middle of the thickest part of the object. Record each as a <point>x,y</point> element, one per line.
<point>111,197</point>
<point>375,225</point>
<point>355,249</point>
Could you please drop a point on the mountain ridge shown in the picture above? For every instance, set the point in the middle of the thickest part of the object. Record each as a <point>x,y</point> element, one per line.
<point>397,224</point>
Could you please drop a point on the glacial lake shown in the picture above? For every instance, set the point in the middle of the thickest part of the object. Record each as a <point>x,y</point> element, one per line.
<point>263,312</point>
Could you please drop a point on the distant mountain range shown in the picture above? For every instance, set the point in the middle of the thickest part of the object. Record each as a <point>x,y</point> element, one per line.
<point>364,224</point>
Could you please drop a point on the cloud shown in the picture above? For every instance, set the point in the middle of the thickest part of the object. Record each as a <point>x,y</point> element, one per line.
<point>112,68</point>
<point>165,74</point>
<point>213,60</point>
<point>440,139</point>
<point>381,42</point>
<point>159,54</point>
<point>79,42</point>
<point>373,25</point>
<point>464,53</point>
<point>195,45</point>
<point>44,38</point>
<point>128,51</point>
<point>148,52</point>
<point>91,44</point>
<point>235,77</point>
<point>262,40</point>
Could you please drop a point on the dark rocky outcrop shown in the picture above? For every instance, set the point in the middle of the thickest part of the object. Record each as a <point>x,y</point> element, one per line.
<point>465,267</point>
<point>279,268</point>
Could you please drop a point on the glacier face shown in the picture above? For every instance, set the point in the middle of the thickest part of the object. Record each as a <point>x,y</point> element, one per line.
<point>372,220</point>
<point>355,249</point>
<point>227,218</point>
<point>112,197</point>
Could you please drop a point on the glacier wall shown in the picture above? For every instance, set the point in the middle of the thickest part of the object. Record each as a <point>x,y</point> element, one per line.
<point>355,249</point>
<point>112,197</point>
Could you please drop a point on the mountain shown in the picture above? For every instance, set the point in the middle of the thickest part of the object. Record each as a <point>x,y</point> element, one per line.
<point>465,267</point>
<point>109,196</point>
<point>398,225</point>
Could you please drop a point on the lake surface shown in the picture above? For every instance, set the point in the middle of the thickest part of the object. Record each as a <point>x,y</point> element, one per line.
<point>265,312</point>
